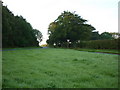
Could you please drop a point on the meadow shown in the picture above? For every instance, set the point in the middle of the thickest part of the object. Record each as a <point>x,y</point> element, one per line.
<point>109,51</point>
<point>58,68</point>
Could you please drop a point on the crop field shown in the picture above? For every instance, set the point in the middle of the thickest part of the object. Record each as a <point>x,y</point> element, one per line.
<point>58,68</point>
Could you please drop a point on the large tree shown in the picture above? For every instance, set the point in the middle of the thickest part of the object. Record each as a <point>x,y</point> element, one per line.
<point>38,34</point>
<point>106,35</point>
<point>69,27</point>
<point>95,36</point>
<point>16,31</point>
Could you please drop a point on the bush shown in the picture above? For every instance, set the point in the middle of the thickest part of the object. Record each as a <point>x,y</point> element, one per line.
<point>100,44</point>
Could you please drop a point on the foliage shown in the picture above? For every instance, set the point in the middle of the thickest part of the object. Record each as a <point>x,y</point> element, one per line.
<point>106,35</point>
<point>100,44</point>
<point>95,36</point>
<point>38,34</point>
<point>68,26</point>
<point>63,68</point>
<point>16,31</point>
<point>103,36</point>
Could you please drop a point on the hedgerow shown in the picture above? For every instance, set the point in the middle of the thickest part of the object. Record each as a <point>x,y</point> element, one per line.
<point>100,44</point>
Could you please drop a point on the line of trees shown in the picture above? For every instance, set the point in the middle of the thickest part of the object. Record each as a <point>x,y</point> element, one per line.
<point>102,36</point>
<point>69,29</point>
<point>17,32</point>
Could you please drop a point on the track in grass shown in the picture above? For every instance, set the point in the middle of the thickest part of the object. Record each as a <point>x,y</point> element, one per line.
<point>59,68</point>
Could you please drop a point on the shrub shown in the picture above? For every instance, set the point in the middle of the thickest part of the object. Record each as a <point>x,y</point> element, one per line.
<point>100,44</point>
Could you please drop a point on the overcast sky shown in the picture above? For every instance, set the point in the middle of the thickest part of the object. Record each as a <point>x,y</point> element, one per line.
<point>102,14</point>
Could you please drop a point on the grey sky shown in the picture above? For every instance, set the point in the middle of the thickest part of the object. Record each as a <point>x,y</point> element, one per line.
<point>102,14</point>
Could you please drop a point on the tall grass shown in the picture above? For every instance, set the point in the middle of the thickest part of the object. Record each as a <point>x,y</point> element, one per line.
<point>59,68</point>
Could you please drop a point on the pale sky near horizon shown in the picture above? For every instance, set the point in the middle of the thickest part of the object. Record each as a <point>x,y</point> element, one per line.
<point>101,14</point>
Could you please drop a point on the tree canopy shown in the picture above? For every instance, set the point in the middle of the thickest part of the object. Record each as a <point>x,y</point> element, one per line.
<point>106,35</point>
<point>69,27</point>
<point>17,32</point>
<point>95,36</point>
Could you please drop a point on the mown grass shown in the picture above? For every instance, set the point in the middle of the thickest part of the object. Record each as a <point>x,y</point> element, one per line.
<point>112,51</point>
<point>59,68</point>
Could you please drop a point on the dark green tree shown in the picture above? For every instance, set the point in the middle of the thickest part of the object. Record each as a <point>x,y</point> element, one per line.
<point>38,34</point>
<point>16,31</point>
<point>95,36</point>
<point>106,35</point>
<point>69,27</point>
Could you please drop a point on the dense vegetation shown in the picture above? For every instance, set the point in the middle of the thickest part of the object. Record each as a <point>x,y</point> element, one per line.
<point>68,27</point>
<point>69,30</point>
<point>100,44</point>
<point>105,35</point>
<point>59,68</point>
<point>17,32</point>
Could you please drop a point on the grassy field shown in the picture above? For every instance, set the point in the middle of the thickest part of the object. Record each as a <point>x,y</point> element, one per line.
<point>111,51</point>
<point>59,68</point>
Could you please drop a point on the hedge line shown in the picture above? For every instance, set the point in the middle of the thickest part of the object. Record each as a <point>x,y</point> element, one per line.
<point>100,44</point>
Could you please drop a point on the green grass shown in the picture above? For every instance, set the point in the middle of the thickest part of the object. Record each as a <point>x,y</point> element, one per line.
<point>112,51</point>
<point>59,68</point>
